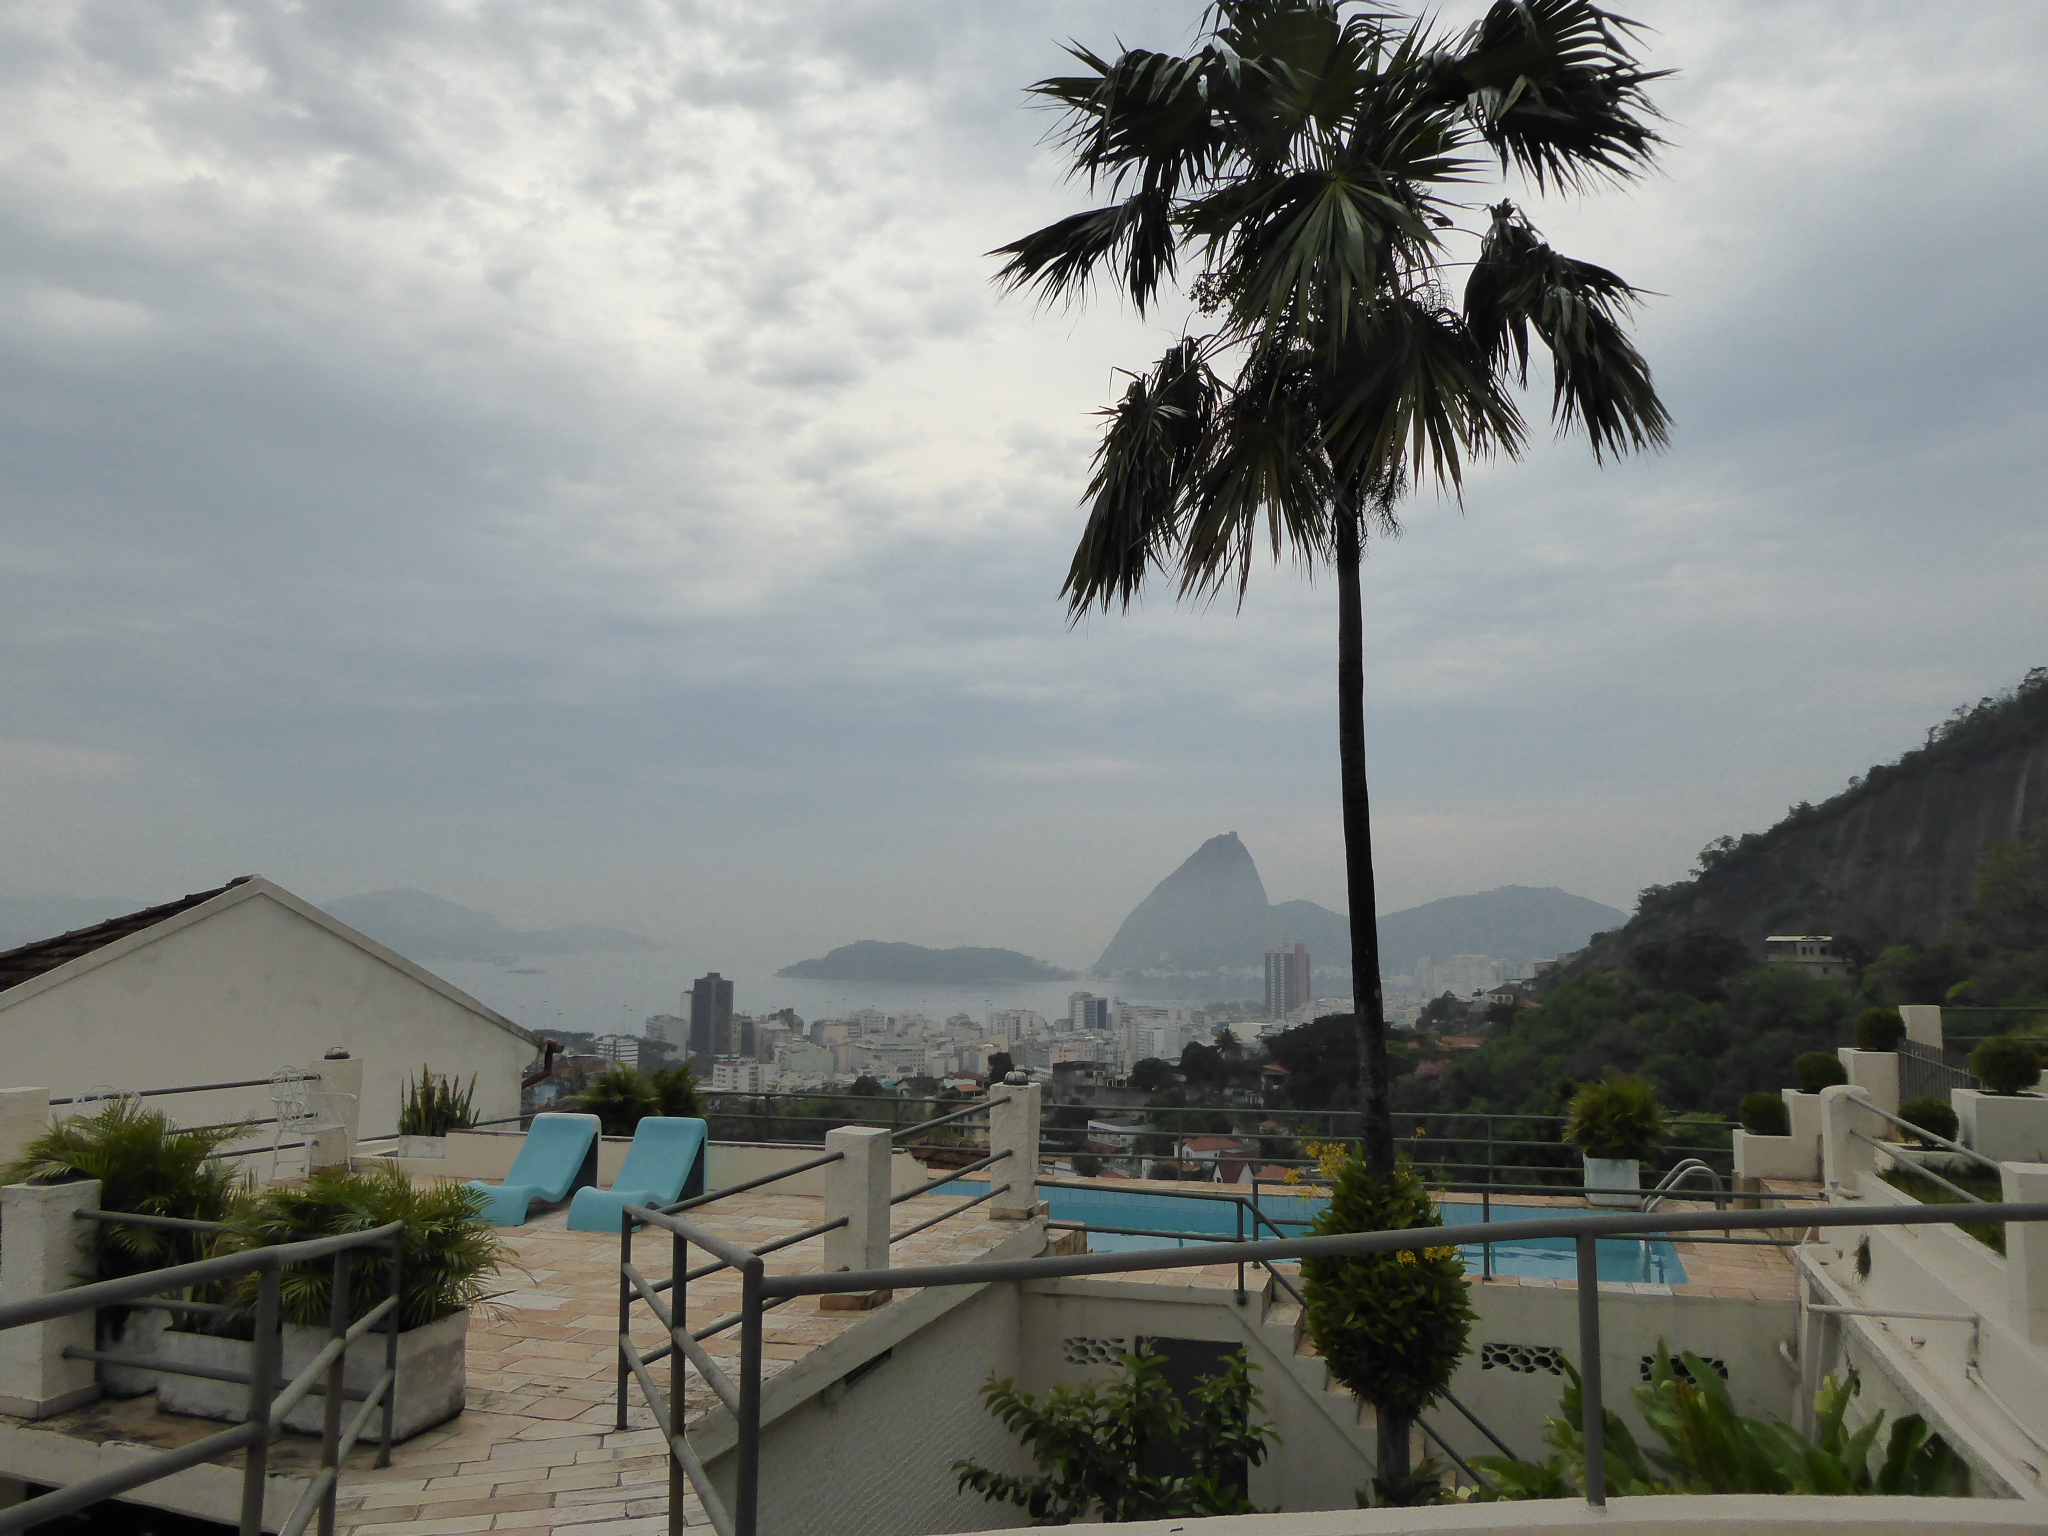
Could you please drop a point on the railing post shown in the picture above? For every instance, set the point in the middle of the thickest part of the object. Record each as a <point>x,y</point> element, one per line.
<point>626,1317</point>
<point>1592,1412</point>
<point>263,1384</point>
<point>330,1410</point>
<point>2026,1253</point>
<point>857,1189</point>
<point>1013,1126</point>
<point>679,1302</point>
<point>392,1323</point>
<point>45,1248</point>
<point>747,1495</point>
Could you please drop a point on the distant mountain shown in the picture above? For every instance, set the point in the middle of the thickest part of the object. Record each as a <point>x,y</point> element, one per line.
<point>25,919</point>
<point>873,960</point>
<point>1212,915</point>
<point>424,927</point>
<point>1512,922</point>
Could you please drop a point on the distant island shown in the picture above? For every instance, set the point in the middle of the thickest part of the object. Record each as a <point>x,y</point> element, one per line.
<point>873,960</point>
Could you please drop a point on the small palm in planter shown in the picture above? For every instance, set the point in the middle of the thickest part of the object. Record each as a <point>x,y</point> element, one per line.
<point>449,1256</point>
<point>1614,1123</point>
<point>144,1164</point>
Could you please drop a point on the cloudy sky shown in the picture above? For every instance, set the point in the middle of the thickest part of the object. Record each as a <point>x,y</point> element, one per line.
<point>570,458</point>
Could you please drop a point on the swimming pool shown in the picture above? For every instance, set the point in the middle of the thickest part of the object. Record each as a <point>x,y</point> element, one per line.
<point>1636,1259</point>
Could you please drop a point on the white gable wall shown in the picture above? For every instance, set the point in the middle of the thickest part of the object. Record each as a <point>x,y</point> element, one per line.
<point>237,988</point>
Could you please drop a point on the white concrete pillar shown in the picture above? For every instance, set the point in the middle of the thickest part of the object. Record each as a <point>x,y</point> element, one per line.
<point>1877,1074</point>
<point>1013,1127</point>
<point>1923,1023</point>
<point>44,1249</point>
<point>1843,1156</point>
<point>342,1077</point>
<point>1802,1111</point>
<point>2026,1252</point>
<point>24,1115</point>
<point>857,1188</point>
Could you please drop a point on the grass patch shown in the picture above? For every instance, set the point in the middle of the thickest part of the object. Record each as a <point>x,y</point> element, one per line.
<point>1985,1186</point>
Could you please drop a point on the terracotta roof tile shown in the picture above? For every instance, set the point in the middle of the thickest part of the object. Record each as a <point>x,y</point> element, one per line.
<point>32,960</point>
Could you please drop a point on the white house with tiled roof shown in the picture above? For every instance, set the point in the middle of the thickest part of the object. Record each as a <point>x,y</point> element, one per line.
<point>232,984</point>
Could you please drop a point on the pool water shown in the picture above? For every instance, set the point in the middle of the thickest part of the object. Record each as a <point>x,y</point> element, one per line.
<point>1635,1259</point>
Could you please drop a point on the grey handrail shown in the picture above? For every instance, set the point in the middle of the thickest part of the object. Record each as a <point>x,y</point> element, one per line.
<point>1678,1176</point>
<point>1926,1135</point>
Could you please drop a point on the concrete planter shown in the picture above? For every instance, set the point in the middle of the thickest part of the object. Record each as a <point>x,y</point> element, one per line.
<point>139,1336</point>
<point>1613,1181</point>
<point>1776,1157</point>
<point>432,1374</point>
<point>420,1146</point>
<point>2009,1128</point>
<point>1877,1074</point>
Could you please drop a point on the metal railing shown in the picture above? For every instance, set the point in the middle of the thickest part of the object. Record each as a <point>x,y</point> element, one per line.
<point>1925,1072</point>
<point>760,1291</point>
<point>269,1400</point>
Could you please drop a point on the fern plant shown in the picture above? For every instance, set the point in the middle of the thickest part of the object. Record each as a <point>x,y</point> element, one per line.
<point>620,1098</point>
<point>147,1165</point>
<point>434,1105</point>
<point>1092,1445</point>
<point>1711,1448</point>
<point>449,1254</point>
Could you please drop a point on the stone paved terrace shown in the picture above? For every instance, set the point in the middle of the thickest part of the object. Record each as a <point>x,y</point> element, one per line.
<point>536,1449</point>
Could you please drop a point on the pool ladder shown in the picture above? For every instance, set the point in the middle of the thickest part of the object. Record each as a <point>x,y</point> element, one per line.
<point>1668,1185</point>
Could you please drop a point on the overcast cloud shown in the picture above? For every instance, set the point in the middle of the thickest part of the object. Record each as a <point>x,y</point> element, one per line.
<point>570,458</point>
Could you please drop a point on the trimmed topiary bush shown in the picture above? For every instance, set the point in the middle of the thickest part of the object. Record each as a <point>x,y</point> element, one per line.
<point>1930,1115</point>
<point>1763,1113</point>
<point>1815,1070</point>
<point>1879,1029</point>
<point>1617,1117</point>
<point>2006,1065</point>
<point>1392,1326</point>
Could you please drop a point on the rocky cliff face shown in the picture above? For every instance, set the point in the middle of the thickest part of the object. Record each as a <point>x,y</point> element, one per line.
<point>1892,858</point>
<point>1212,914</point>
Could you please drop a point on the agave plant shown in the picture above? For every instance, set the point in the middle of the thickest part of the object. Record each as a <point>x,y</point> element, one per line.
<point>449,1254</point>
<point>147,1165</point>
<point>434,1105</point>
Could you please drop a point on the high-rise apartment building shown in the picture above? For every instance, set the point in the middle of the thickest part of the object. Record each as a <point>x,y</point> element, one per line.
<point>1086,1011</point>
<point>624,1049</point>
<point>709,1006</point>
<point>1286,980</point>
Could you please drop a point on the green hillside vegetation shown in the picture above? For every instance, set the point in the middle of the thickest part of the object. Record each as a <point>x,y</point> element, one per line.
<point>1706,1022</point>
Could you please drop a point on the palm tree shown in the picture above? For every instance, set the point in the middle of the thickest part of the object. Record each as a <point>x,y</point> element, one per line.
<point>1304,165</point>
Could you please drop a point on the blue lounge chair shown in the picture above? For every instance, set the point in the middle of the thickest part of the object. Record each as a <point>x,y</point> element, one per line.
<point>560,1155</point>
<point>665,1164</point>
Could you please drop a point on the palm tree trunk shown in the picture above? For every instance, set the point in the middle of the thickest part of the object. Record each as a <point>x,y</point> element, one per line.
<point>1367,1001</point>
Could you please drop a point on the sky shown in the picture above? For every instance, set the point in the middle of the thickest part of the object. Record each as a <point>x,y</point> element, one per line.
<point>571,458</point>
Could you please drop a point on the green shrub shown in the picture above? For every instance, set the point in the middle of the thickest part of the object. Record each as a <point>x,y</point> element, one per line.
<point>1930,1115</point>
<point>1391,1326</point>
<point>620,1098</point>
<point>1617,1117</point>
<point>1710,1448</point>
<point>1815,1070</point>
<point>1763,1113</point>
<point>449,1254</point>
<point>1879,1029</point>
<point>146,1165</point>
<point>676,1092</point>
<point>1093,1446</point>
<point>2006,1065</point>
<point>433,1105</point>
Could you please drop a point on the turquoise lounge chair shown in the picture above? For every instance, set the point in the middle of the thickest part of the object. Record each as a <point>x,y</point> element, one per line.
<point>560,1155</point>
<point>665,1164</point>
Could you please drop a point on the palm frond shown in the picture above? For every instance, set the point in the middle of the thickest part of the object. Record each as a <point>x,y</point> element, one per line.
<point>1554,87</point>
<point>1599,380</point>
<point>1143,469</point>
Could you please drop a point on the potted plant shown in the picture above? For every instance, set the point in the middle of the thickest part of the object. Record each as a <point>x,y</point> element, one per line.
<point>1879,1029</point>
<point>147,1165</point>
<point>433,1106</point>
<point>1764,1114</point>
<point>2003,1120</point>
<point>448,1258</point>
<point>1614,1123</point>
<point>1815,1070</point>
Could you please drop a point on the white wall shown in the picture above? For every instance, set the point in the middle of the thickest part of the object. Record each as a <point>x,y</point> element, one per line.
<point>236,989</point>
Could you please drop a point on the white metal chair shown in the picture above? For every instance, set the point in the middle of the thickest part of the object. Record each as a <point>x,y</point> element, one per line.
<point>302,1113</point>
